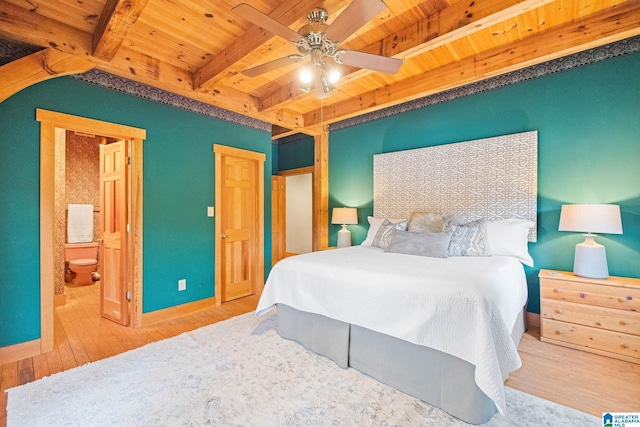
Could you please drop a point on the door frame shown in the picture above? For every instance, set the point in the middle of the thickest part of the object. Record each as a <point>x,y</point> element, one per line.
<point>49,121</point>
<point>257,268</point>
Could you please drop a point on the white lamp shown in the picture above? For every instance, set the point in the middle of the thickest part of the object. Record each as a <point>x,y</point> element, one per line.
<point>344,216</point>
<point>591,258</point>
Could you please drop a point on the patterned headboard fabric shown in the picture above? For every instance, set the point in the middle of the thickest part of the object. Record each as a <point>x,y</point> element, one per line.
<point>491,178</point>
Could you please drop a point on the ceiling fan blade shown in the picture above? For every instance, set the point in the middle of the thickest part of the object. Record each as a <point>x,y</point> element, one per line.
<point>258,18</point>
<point>369,61</point>
<point>358,13</point>
<point>272,65</point>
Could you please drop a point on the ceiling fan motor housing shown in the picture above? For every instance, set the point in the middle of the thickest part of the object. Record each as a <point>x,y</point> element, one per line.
<point>318,14</point>
<point>313,40</point>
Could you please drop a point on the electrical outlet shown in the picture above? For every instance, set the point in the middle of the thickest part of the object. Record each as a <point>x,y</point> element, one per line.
<point>182,284</point>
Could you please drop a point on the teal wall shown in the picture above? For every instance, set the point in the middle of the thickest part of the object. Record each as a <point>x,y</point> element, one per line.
<point>178,187</point>
<point>588,123</point>
<point>295,154</point>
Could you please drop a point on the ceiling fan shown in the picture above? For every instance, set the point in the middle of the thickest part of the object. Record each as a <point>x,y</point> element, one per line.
<point>319,42</point>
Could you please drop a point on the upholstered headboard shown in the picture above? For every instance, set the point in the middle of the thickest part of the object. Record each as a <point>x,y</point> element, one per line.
<point>491,178</point>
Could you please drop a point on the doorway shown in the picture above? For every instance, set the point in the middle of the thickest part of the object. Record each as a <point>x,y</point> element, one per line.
<point>49,122</point>
<point>299,210</point>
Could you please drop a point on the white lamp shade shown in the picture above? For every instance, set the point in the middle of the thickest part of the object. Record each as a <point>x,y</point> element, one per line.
<point>344,216</point>
<point>591,218</point>
<point>590,258</point>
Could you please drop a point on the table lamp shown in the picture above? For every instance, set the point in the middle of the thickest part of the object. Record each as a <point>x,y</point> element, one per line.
<point>344,216</point>
<point>590,258</point>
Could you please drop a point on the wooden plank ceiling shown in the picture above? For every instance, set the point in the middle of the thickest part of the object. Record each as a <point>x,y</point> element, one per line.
<point>199,48</point>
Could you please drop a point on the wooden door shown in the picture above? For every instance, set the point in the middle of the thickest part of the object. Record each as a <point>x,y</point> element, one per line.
<point>239,225</point>
<point>113,228</point>
<point>278,218</point>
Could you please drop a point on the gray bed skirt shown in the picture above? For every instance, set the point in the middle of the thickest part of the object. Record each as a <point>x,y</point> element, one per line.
<point>437,378</point>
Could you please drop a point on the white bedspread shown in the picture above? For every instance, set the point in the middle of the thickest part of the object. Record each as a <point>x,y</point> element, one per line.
<point>464,306</point>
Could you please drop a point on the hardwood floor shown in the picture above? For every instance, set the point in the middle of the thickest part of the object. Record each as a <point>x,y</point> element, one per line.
<point>588,382</point>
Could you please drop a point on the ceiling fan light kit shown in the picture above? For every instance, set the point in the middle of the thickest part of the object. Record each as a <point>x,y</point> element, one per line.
<point>315,40</point>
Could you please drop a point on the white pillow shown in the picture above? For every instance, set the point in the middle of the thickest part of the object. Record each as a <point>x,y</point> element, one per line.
<point>509,237</point>
<point>374,225</point>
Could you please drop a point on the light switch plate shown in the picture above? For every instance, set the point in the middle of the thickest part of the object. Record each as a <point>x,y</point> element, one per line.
<point>182,284</point>
<point>209,211</point>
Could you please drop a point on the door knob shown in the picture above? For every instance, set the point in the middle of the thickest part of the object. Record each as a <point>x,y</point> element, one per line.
<point>100,240</point>
<point>223,236</point>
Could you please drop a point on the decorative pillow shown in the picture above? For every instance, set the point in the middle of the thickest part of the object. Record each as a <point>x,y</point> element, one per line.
<point>423,244</point>
<point>509,237</point>
<point>451,221</point>
<point>425,222</point>
<point>374,225</point>
<point>384,233</point>
<point>467,239</point>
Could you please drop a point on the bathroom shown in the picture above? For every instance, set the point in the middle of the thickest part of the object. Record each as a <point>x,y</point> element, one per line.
<point>77,182</point>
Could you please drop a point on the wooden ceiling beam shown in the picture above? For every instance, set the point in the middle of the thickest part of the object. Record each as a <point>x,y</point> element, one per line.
<point>37,67</point>
<point>26,27</point>
<point>115,20</point>
<point>144,69</point>
<point>286,13</point>
<point>21,26</point>
<point>609,25</point>
<point>450,24</point>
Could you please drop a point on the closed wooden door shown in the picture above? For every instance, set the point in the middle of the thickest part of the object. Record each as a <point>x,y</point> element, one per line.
<point>113,228</point>
<point>278,218</point>
<point>239,222</point>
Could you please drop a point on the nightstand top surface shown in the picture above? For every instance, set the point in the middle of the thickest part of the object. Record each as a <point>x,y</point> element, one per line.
<point>569,276</point>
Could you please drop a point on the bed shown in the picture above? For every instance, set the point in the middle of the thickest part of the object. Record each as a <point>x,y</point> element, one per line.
<point>442,327</point>
<point>390,316</point>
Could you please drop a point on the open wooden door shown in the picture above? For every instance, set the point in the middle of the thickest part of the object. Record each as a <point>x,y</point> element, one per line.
<point>113,228</point>
<point>278,218</point>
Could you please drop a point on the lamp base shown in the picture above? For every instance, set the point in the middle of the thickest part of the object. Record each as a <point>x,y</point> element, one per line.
<point>344,237</point>
<point>590,259</point>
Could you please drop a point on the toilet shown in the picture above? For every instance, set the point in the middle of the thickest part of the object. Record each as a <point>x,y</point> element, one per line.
<point>82,259</point>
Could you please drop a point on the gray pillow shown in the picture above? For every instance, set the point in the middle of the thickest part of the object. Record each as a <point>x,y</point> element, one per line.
<point>384,233</point>
<point>423,244</point>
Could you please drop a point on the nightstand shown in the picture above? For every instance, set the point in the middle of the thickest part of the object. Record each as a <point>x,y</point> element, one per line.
<point>600,316</point>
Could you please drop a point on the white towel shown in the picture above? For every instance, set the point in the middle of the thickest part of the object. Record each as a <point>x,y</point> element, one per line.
<point>80,224</point>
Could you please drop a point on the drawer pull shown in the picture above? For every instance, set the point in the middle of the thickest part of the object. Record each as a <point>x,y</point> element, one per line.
<point>625,299</point>
<point>558,332</point>
<point>557,311</point>
<point>557,290</point>
<point>624,346</point>
<point>623,323</point>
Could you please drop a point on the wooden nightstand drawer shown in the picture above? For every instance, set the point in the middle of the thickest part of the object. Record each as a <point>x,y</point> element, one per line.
<point>597,317</point>
<point>620,298</point>
<point>597,339</point>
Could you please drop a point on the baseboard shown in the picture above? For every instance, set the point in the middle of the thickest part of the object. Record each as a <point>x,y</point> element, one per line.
<point>20,351</point>
<point>59,299</point>
<point>177,311</point>
<point>533,319</point>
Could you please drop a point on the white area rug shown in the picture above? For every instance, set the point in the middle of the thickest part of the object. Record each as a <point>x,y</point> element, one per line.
<point>240,372</point>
